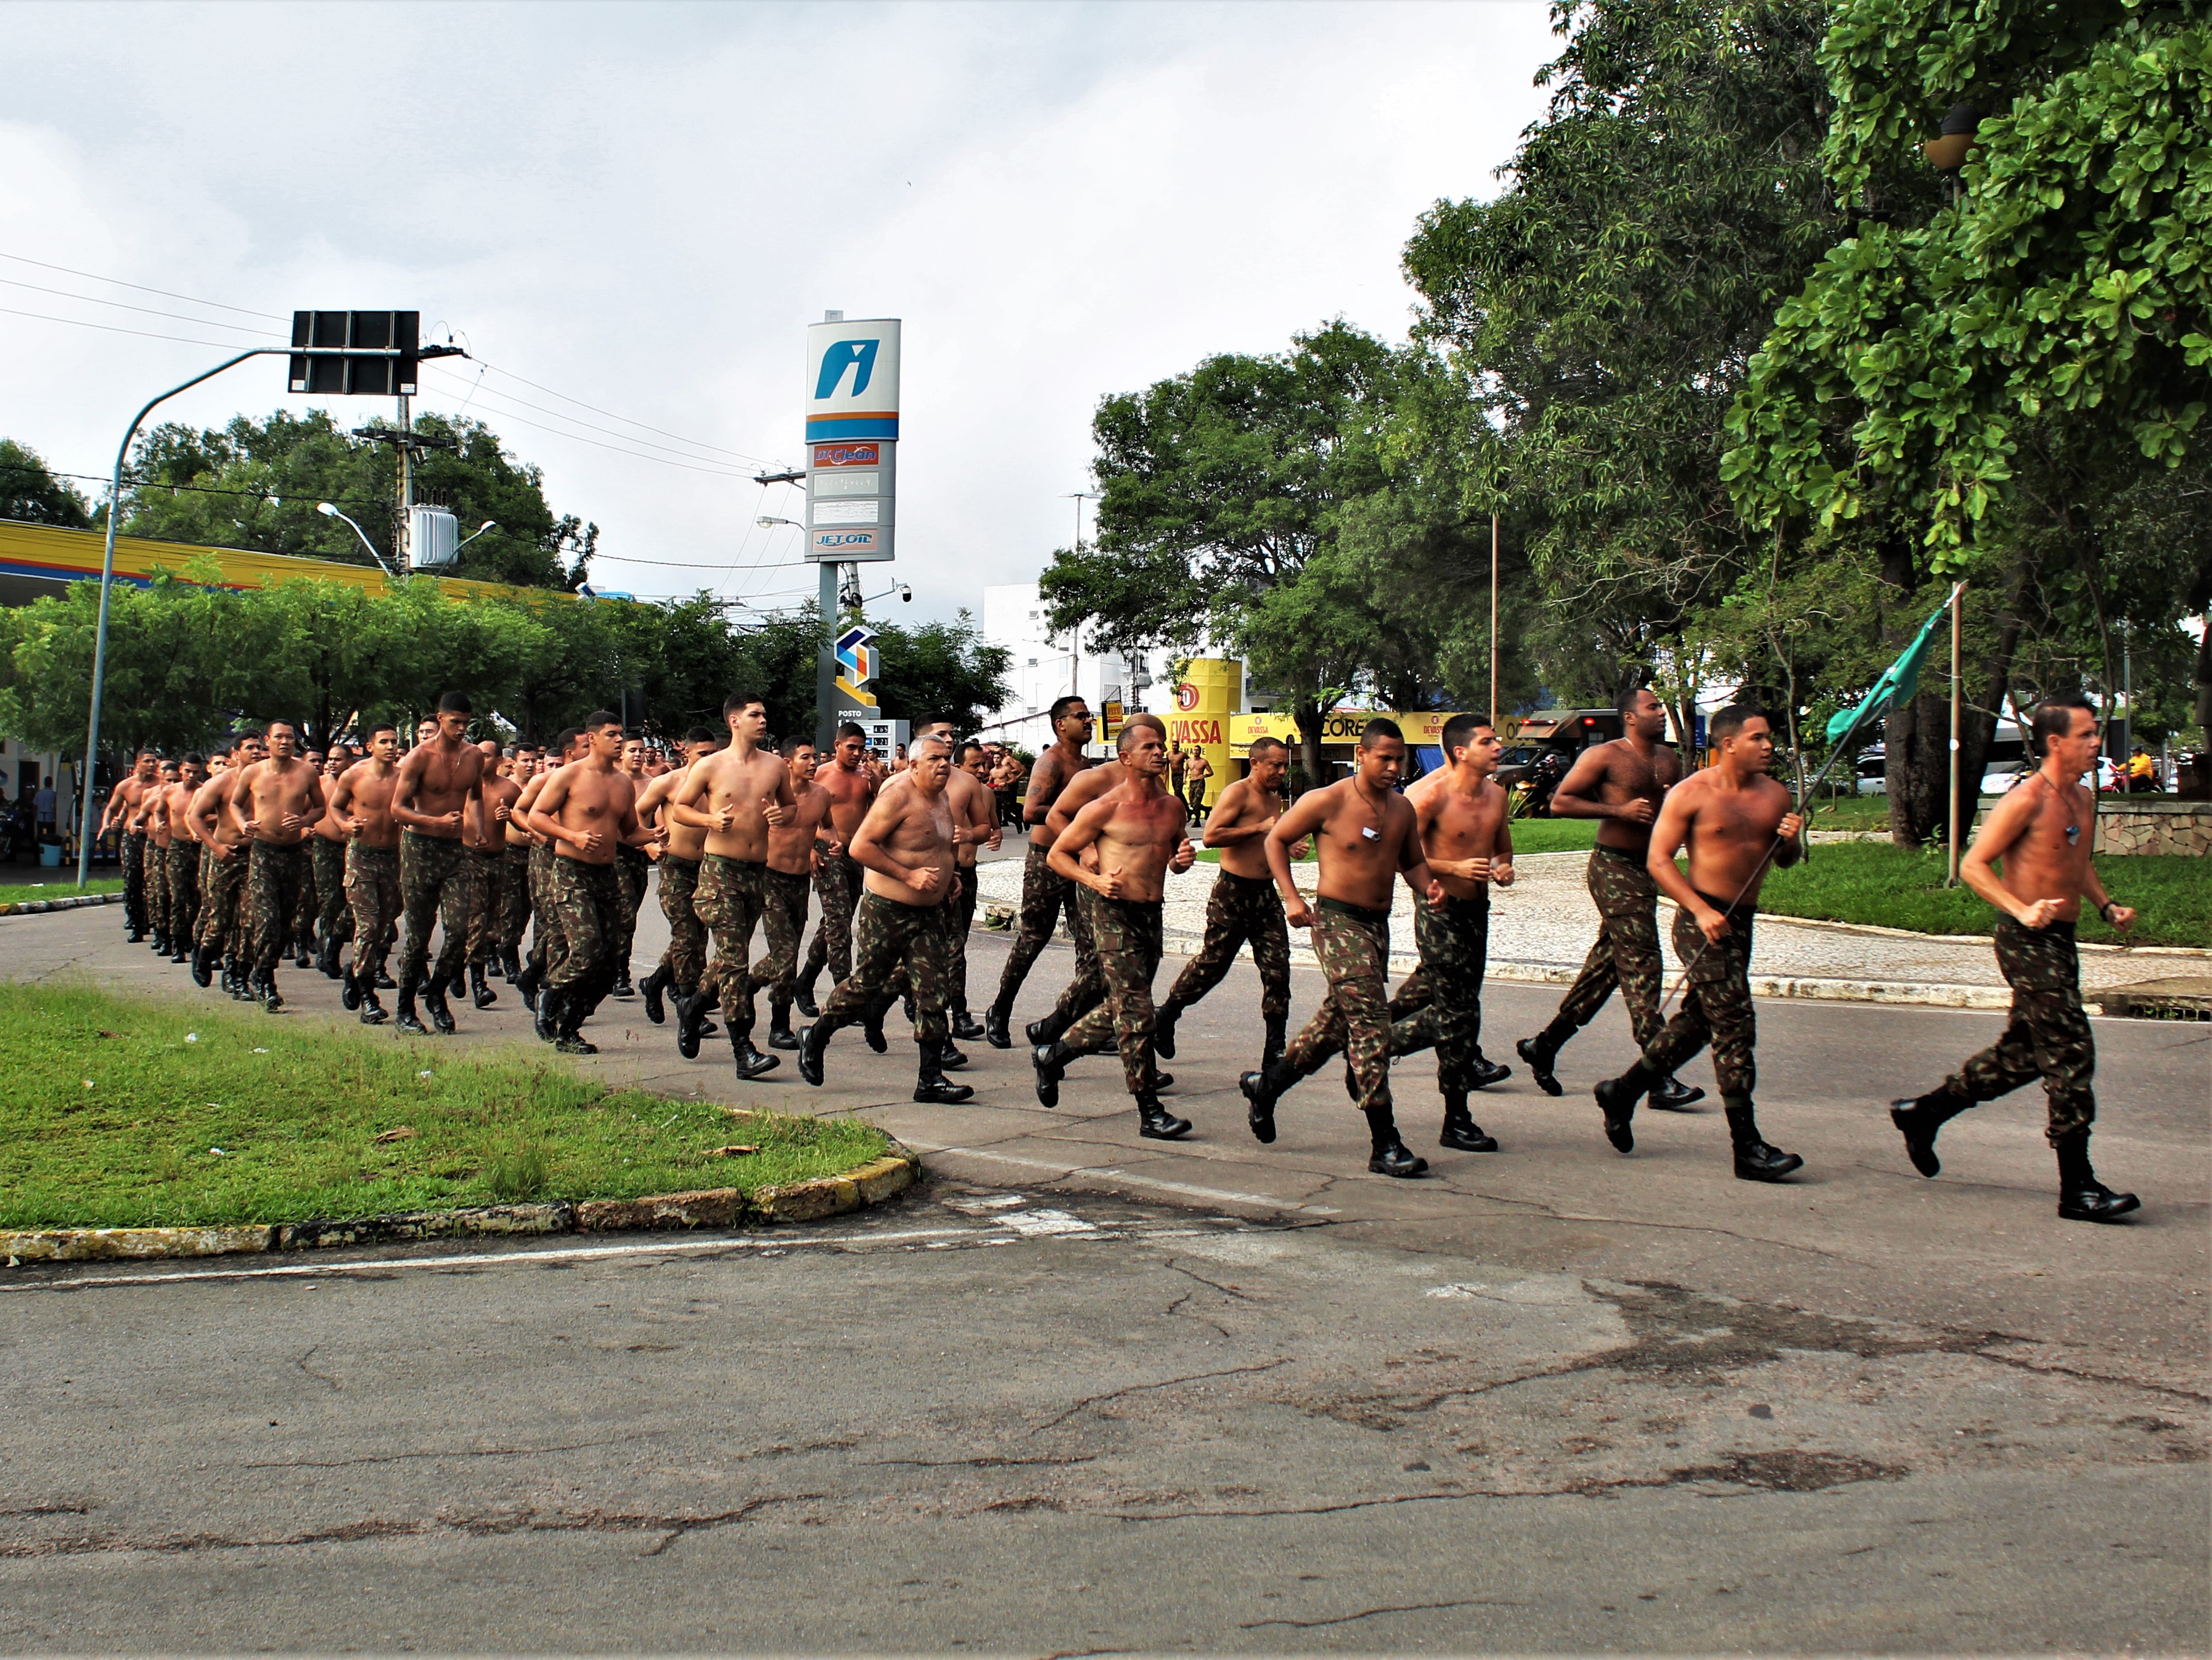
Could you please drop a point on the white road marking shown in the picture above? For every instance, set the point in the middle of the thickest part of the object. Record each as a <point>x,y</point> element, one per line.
<point>1065,1171</point>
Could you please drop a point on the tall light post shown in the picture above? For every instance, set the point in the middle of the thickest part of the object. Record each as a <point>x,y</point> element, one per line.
<point>328,510</point>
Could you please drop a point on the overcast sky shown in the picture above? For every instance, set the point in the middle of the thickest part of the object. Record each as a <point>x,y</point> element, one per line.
<point>641,207</point>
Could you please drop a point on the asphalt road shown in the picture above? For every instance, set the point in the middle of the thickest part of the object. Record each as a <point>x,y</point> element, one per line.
<point>1085,1393</point>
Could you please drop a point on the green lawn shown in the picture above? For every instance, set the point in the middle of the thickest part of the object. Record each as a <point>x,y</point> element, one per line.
<point>1871,882</point>
<point>12,893</point>
<point>1554,834</point>
<point>123,1112</point>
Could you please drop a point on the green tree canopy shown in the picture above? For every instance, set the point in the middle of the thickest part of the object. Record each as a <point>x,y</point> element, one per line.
<point>28,491</point>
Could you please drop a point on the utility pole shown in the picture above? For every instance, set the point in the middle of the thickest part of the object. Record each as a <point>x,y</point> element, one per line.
<point>1075,634</point>
<point>1493,619</point>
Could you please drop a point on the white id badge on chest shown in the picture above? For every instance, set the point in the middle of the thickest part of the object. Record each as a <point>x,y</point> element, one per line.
<point>1370,832</point>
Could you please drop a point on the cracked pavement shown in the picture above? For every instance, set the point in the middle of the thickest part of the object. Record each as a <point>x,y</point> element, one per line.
<point>1081,1394</point>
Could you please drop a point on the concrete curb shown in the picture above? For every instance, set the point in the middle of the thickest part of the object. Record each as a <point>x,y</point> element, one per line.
<point>39,907</point>
<point>713,1208</point>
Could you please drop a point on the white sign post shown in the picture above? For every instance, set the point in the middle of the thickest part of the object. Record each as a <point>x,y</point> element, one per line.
<point>852,470</point>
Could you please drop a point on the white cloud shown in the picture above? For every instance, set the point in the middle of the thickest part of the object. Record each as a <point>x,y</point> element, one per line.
<point>643,206</point>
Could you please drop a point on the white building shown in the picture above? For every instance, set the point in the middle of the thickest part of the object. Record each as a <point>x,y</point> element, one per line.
<point>1048,666</point>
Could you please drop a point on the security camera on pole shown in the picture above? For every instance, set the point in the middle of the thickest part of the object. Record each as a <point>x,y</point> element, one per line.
<point>852,476</point>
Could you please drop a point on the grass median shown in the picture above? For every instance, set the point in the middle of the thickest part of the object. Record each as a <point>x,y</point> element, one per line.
<point>129,1112</point>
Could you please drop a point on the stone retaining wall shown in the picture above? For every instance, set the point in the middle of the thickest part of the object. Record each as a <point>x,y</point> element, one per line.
<point>2143,825</point>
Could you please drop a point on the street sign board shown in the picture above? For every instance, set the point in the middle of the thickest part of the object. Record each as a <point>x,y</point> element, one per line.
<point>852,440</point>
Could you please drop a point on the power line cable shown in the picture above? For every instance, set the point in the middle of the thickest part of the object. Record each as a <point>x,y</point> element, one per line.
<point>218,305</point>
<point>556,415</point>
<point>625,420</point>
<point>124,305</point>
<point>578,438</point>
<point>142,334</point>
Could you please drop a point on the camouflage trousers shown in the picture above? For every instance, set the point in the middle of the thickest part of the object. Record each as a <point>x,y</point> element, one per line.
<point>837,886</point>
<point>1625,954</point>
<point>688,970</point>
<point>222,882</point>
<point>1439,1004</point>
<point>1715,1005</point>
<point>134,882</point>
<point>588,899</point>
<point>157,887</point>
<point>487,870</point>
<point>1125,934</point>
<point>1353,945</point>
<point>372,891</point>
<point>183,873</point>
<point>515,898</point>
<point>1240,910</point>
<point>1086,989</point>
<point>888,937</point>
<point>299,926</point>
<point>274,876</point>
<point>963,921</point>
<point>1043,892</point>
<point>783,920</point>
<point>545,944</point>
<point>333,916</point>
<point>433,890</point>
<point>633,872</point>
<point>2047,1036</point>
<point>732,893</point>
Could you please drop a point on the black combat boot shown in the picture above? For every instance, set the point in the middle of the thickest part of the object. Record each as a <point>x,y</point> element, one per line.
<point>183,952</point>
<point>434,998</point>
<point>203,965</point>
<point>1617,1098</point>
<point>1051,1061</point>
<point>950,1058</point>
<point>872,1027</point>
<point>1460,1131</point>
<point>264,987</point>
<point>813,1043</point>
<point>1755,1161</point>
<point>409,1021</point>
<point>931,1086</point>
<point>1390,1156</point>
<point>966,1026</point>
<point>161,943</point>
<point>802,996</point>
<point>1050,1029</point>
<point>510,958</point>
<point>372,1011</point>
<point>995,1022</point>
<point>691,1010</point>
<point>1918,1118</point>
<point>622,987</point>
<point>241,988</point>
<point>1262,1089</point>
<point>1486,1071</point>
<point>1671,1094</point>
<point>303,953</point>
<point>459,985</point>
<point>2082,1196</point>
<point>752,1063</point>
<point>569,1039</point>
<point>326,959</point>
<point>651,987</point>
<point>779,1034</point>
<point>548,1023</point>
<point>1163,1025</point>
<point>480,994</point>
<point>1278,1041</point>
<point>1538,1053</point>
<point>350,990</point>
<point>527,983</point>
<point>1156,1122</point>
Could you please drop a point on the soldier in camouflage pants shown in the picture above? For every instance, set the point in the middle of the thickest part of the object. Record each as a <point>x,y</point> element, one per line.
<point>1440,1003</point>
<point>1125,936</point>
<point>372,889</point>
<point>837,886</point>
<point>134,883</point>
<point>1043,892</point>
<point>275,874</point>
<point>545,943</point>
<point>1353,946</point>
<point>486,902</point>
<point>1716,1004</point>
<point>1626,953</point>
<point>1240,910</point>
<point>688,970</point>
<point>513,903</point>
<point>888,937</point>
<point>183,879</point>
<point>731,895</point>
<point>434,888</point>
<point>586,899</point>
<point>2048,1035</point>
<point>157,889</point>
<point>783,920</point>
<point>633,872</point>
<point>221,880</point>
<point>333,919</point>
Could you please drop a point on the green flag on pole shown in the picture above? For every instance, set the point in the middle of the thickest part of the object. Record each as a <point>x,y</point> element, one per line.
<point>1897,683</point>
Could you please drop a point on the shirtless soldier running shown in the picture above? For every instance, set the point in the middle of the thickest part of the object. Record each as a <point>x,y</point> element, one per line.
<point>484,833</point>
<point>785,885</point>
<point>331,920</point>
<point>851,789</point>
<point>1368,836</point>
<point>143,779</point>
<point>587,810</point>
<point>362,802</point>
<point>1043,889</point>
<point>684,971</point>
<point>1619,784</point>
<point>737,796</point>
<point>1140,831</point>
<point>1242,906</point>
<point>514,878</point>
<point>1736,821</point>
<point>438,781</point>
<point>281,797</point>
<point>2041,830</point>
<point>214,822</point>
<point>183,874</point>
<point>976,811</point>
<point>905,844</point>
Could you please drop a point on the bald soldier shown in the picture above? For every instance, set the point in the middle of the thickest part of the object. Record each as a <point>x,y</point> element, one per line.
<point>906,845</point>
<point>438,783</point>
<point>281,797</point>
<point>362,803</point>
<point>1140,831</point>
<point>588,811</point>
<point>1737,821</point>
<point>737,795</point>
<point>683,973</point>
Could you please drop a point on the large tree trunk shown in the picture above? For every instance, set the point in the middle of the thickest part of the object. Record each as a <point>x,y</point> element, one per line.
<point>1309,714</point>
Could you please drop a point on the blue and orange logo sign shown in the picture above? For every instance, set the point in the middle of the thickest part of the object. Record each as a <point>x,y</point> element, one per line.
<point>847,455</point>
